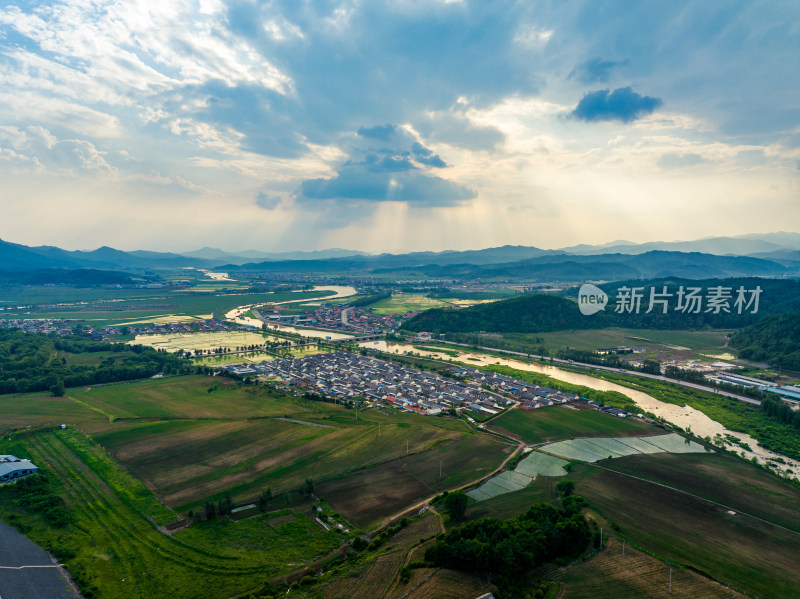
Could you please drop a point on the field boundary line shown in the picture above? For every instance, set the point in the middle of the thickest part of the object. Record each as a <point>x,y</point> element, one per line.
<point>717,503</point>
<point>91,407</point>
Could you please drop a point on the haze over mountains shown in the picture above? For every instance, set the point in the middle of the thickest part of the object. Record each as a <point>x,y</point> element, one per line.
<point>766,255</point>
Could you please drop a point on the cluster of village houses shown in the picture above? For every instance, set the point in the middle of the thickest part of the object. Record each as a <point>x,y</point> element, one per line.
<point>344,375</point>
<point>64,327</point>
<point>340,317</point>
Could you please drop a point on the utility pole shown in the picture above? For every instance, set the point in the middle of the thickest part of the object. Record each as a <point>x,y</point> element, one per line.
<point>670,580</point>
<point>406,446</point>
<point>623,547</point>
<point>601,537</point>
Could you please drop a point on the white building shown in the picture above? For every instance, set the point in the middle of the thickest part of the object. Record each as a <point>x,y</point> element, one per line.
<point>11,467</point>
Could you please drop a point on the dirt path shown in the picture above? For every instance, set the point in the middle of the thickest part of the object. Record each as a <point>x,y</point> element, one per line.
<point>426,502</point>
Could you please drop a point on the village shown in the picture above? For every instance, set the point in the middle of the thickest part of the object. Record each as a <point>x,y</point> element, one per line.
<point>346,376</point>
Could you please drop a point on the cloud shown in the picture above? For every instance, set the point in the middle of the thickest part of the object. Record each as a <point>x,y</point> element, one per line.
<point>357,183</point>
<point>680,160</point>
<point>383,132</point>
<point>426,156</point>
<point>622,104</point>
<point>267,201</point>
<point>595,70</point>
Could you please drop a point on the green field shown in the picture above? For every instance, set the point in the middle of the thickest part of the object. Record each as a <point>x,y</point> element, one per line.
<point>405,302</point>
<point>102,307</point>
<point>556,423</point>
<point>650,339</point>
<point>114,546</point>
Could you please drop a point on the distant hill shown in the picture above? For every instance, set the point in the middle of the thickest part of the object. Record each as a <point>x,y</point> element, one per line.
<point>81,277</point>
<point>17,257</point>
<point>775,339</point>
<point>777,256</point>
<point>541,313</point>
<point>741,245</point>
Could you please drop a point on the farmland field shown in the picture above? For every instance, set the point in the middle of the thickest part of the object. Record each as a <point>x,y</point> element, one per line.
<point>750,555</point>
<point>556,423</point>
<point>118,306</point>
<point>114,547</point>
<point>203,341</point>
<point>600,448</point>
<point>194,437</point>
<point>612,575</point>
<point>449,584</point>
<point>537,463</point>
<point>753,556</point>
<point>368,495</point>
<point>377,576</point>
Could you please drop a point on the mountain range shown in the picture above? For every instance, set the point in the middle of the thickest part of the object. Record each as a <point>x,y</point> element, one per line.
<point>765,255</point>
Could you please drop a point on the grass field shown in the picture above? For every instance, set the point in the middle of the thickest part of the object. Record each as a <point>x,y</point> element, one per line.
<point>405,302</point>
<point>556,423</point>
<point>115,548</point>
<point>186,397</point>
<point>649,339</point>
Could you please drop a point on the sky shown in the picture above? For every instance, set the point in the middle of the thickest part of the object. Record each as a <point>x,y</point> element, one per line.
<point>396,126</point>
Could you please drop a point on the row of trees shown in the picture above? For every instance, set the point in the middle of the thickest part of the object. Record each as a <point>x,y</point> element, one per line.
<point>777,409</point>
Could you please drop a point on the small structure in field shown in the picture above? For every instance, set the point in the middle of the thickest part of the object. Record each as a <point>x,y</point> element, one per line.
<point>12,467</point>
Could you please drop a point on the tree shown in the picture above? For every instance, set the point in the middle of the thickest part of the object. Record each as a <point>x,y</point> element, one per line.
<point>307,488</point>
<point>565,488</point>
<point>456,504</point>
<point>58,389</point>
<point>264,499</point>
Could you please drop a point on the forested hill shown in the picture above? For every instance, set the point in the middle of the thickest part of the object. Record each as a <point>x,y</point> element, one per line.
<point>775,339</point>
<point>525,314</point>
<point>540,313</point>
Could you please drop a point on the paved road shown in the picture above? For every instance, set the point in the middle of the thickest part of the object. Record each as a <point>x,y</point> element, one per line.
<point>26,571</point>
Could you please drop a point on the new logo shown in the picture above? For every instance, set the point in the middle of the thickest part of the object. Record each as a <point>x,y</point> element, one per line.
<point>591,299</point>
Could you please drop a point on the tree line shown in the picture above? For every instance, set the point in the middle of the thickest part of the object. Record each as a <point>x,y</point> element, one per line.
<point>33,362</point>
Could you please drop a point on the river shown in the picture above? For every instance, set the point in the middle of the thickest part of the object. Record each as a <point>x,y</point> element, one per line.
<point>337,291</point>
<point>685,417</point>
